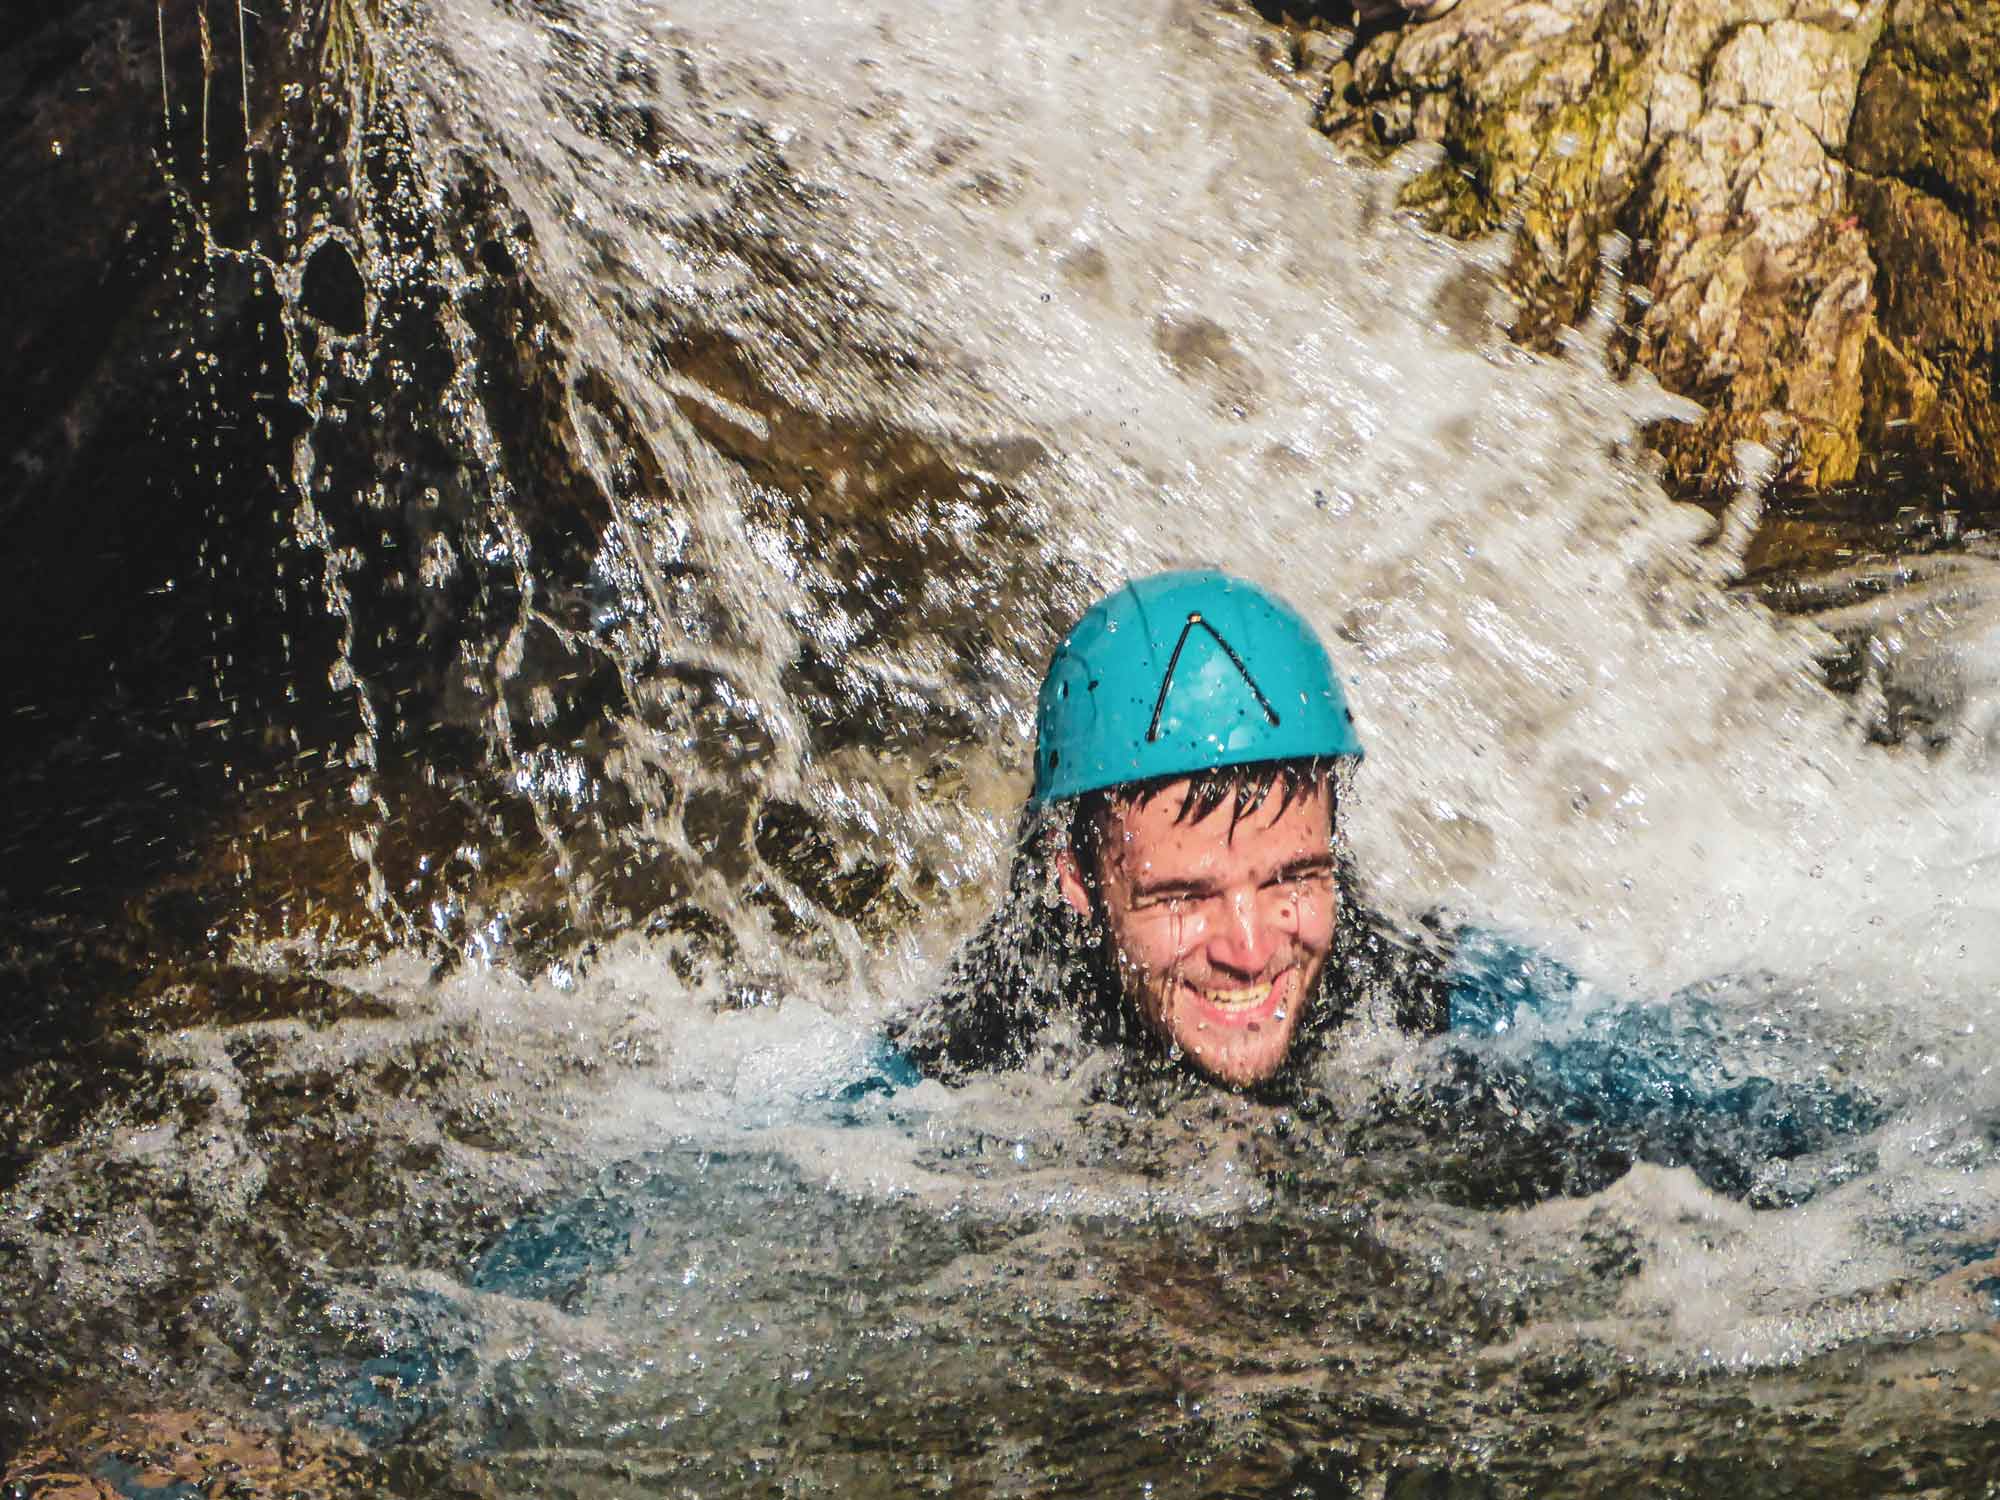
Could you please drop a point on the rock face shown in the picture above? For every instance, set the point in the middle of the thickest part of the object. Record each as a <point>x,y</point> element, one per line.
<point>1807,187</point>
<point>1924,153</point>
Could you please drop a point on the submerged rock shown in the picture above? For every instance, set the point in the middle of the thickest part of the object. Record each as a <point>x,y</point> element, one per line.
<point>187,1453</point>
<point>1807,188</point>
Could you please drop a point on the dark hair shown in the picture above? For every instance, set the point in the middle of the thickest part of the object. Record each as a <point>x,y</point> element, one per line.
<point>1246,788</point>
<point>1035,959</point>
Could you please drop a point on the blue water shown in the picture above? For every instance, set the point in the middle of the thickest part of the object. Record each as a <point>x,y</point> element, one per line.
<point>1669,1080</point>
<point>1676,1081</point>
<point>389,1361</point>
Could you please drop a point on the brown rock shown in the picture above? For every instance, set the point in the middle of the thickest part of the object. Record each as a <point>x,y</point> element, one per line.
<point>1812,210</point>
<point>169,1450</point>
<point>1925,152</point>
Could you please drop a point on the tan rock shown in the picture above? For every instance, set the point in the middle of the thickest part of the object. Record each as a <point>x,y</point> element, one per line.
<point>1805,71</point>
<point>1711,133</point>
<point>175,1451</point>
<point>166,1450</point>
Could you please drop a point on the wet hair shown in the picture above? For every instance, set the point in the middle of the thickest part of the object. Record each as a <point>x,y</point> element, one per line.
<point>1244,788</point>
<point>1036,962</point>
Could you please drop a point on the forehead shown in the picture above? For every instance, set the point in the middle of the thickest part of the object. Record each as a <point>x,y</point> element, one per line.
<point>1151,834</point>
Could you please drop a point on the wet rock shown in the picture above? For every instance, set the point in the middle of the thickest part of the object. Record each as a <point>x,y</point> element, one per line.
<point>1924,151</point>
<point>1808,188</point>
<point>78,1005</point>
<point>333,290</point>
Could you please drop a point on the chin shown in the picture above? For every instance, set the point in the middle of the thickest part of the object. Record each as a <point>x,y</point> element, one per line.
<point>1245,1064</point>
<point>1242,1061</point>
<point>1241,1073</point>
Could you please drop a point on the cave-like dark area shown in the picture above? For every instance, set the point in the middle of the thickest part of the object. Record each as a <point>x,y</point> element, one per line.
<point>144,431</point>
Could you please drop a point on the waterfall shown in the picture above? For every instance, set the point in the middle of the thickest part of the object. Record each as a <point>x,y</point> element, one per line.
<point>739,400</point>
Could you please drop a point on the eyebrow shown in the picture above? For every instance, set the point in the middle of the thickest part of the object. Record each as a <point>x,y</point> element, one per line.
<point>1307,864</point>
<point>1304,867</point>
<point>1146,890</point>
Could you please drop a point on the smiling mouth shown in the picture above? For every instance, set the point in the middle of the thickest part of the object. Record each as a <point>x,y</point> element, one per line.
<point>1250,999</point>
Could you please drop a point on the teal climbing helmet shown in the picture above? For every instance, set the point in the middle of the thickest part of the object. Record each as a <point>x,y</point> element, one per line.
<point>1181,672</point>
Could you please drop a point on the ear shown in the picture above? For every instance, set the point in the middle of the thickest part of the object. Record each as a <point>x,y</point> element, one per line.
<point>1069,876</point>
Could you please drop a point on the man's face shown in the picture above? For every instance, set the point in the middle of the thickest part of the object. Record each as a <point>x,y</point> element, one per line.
<point>1220,932</point>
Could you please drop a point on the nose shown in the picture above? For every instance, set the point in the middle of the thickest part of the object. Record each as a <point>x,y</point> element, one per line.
<point>1247,933</point>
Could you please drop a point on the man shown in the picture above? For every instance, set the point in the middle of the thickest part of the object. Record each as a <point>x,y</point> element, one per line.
<point>1178,889</point>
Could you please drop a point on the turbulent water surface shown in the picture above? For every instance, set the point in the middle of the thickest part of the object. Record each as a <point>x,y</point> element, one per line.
<point>870,342</point>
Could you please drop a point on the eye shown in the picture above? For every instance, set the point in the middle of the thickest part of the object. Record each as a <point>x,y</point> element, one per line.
<point>1171,901</point>
<point>1307,880</point>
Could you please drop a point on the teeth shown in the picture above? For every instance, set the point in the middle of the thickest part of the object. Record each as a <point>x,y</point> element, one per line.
<point>1239,997</point>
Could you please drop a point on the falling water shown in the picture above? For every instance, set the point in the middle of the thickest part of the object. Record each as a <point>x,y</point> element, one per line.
<point>798,373</point>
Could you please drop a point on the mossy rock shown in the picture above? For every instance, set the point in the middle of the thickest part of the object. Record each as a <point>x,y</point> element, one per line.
<point>1925,150</point>
<point>1809,192</point>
